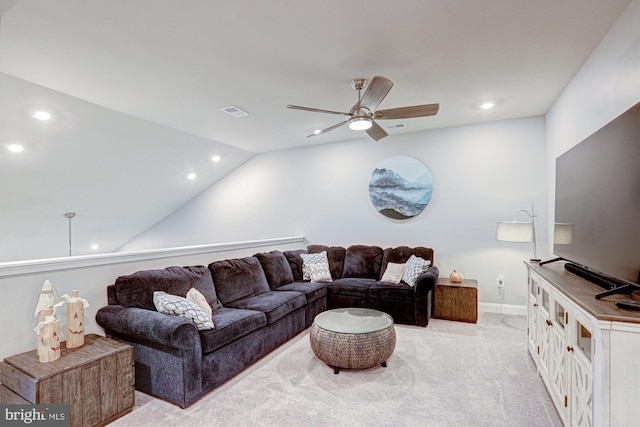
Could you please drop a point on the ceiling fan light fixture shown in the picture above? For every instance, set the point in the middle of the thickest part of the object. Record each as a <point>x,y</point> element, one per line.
<point>360,123</point>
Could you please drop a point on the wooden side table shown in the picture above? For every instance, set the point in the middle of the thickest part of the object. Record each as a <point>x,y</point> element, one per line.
<point>95,380</point>
<point>456,301</point>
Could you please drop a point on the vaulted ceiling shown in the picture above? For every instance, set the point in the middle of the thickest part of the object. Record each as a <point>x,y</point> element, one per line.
<point>136,90</point>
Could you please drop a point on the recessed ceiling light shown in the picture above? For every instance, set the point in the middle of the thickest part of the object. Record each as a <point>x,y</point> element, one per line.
<point>191,176</point>
<point>215,158</point>
<point>41,115</point>
<point>95,246</point>
<point>487,105</point>
<point>15,148</point>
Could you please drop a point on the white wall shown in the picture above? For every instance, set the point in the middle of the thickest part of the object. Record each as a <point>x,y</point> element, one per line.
<point>605,87</point>
<point>482,174</point>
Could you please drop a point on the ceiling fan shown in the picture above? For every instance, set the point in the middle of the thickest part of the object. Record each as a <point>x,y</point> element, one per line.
<point>363,114</point>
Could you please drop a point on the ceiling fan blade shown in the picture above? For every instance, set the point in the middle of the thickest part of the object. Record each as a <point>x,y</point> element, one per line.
<point>330,128</point>
<point>315,110</point>
<point>376,132</point>
<point>408,112</point>
<point>376,90</point>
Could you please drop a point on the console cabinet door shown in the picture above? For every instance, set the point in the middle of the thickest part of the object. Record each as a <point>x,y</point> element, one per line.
<point>544,329</point>
<point>559,353</point>
<point>532,311</point>
<point>582,348</point>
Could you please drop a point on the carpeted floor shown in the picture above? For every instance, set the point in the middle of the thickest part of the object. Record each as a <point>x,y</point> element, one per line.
<point>448,374</point>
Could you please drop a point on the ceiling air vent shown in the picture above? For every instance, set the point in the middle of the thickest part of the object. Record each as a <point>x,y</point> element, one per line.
<point>396,126</point>
<point>234,111</point>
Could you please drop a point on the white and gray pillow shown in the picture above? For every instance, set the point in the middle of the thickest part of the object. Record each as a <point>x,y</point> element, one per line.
<point>315,267</point>
<point>177,306</point>
<point>414,267</point>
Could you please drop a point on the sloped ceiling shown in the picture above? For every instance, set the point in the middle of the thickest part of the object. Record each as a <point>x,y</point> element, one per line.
<point>136,90</point>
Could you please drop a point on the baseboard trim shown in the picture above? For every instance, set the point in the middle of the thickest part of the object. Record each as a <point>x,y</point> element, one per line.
<point>492,307</point>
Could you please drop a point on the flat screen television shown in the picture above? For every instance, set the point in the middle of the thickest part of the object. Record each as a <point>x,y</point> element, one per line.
<point>598,199</point>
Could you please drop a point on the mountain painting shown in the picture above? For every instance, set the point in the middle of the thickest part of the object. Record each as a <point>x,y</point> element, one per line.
<point>400,187</point>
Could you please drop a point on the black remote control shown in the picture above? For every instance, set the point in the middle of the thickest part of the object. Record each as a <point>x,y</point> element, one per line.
<point>629,305</point>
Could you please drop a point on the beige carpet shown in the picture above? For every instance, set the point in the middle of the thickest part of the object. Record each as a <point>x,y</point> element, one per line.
<point>448,374</point>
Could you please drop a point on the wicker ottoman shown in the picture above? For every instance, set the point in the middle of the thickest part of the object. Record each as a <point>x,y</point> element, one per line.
<point>353,338</point>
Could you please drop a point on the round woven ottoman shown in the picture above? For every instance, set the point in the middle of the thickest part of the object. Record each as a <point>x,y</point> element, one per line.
<point>353,338</point>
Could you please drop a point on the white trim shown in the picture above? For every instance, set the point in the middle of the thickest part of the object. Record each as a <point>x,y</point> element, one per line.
<point>491,307</point>
<point>18,268</point>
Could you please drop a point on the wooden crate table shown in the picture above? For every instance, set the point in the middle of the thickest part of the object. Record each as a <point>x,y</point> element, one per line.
<point>456,301</point>
<point>95,380</point>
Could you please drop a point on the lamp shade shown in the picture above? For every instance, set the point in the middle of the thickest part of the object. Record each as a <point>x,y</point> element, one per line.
<point>562,233</point>
<point>514,231</point>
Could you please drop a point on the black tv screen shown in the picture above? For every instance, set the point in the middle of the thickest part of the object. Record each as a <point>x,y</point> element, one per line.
<point>598,193</point>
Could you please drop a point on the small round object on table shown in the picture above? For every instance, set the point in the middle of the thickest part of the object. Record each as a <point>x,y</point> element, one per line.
<point>353,338</point>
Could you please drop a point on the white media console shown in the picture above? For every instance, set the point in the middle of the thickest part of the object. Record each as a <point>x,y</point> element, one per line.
<point>587,351</point>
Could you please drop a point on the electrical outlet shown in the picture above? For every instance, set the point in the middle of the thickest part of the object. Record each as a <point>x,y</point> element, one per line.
<point>500,281</point>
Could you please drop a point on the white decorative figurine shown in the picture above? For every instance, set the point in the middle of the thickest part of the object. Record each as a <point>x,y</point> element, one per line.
<point>48,329</point>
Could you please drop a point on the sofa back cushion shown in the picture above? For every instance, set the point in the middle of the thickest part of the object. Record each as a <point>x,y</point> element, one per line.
<point>401,254</point>
<point>136,290</point>
<point>276,268</point>
<point>362,261</point>
<point>238,278</point>
<point>295,262</point>
<point>335,255</point>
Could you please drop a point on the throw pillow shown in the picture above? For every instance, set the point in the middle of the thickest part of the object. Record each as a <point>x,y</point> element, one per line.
<point>196,296</point>
<point>319,273</point>
<point>178,306</point>
<point>314,259</point>
<point>393,273</point>
<point>414,267</point>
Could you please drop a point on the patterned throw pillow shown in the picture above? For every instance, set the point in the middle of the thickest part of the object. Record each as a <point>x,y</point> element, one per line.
<point>320,260</point>
<point>393,273</point>
<point>178,306</point>
<point>414,267</point>
<point>196,296</point>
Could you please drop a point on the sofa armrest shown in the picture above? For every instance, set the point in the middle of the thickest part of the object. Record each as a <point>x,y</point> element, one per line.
<point>427,281</point>
<point>424,288</point>
<point>141,325</point>
<point>167,351</point>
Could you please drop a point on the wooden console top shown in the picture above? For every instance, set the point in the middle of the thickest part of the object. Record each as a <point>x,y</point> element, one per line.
<point>582,293</point>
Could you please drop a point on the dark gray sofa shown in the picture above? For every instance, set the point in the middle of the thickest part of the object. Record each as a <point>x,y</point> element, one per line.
<point>258,303</point>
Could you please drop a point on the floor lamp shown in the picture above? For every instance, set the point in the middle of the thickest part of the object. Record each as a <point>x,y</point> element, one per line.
<point>518,231</point>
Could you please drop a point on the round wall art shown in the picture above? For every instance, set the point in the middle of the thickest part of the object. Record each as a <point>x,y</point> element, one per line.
<point>400,187</point>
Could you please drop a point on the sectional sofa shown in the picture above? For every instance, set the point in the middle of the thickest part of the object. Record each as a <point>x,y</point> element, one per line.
<point>257,304</point>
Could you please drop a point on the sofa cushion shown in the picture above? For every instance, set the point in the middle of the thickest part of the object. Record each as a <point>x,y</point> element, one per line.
<point>335,255</point>
<point>401,254</point>
<point>238,278</point>
<point>388,290</point>
<point>363,261</point>
<point>136,290</point>
<point>358,287</point>
<point>274,304</point>
<point>311,290</point>
<point>295,262</point>
<point>276,268</point>
<point>174,305</point>
<point>231,324</point>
